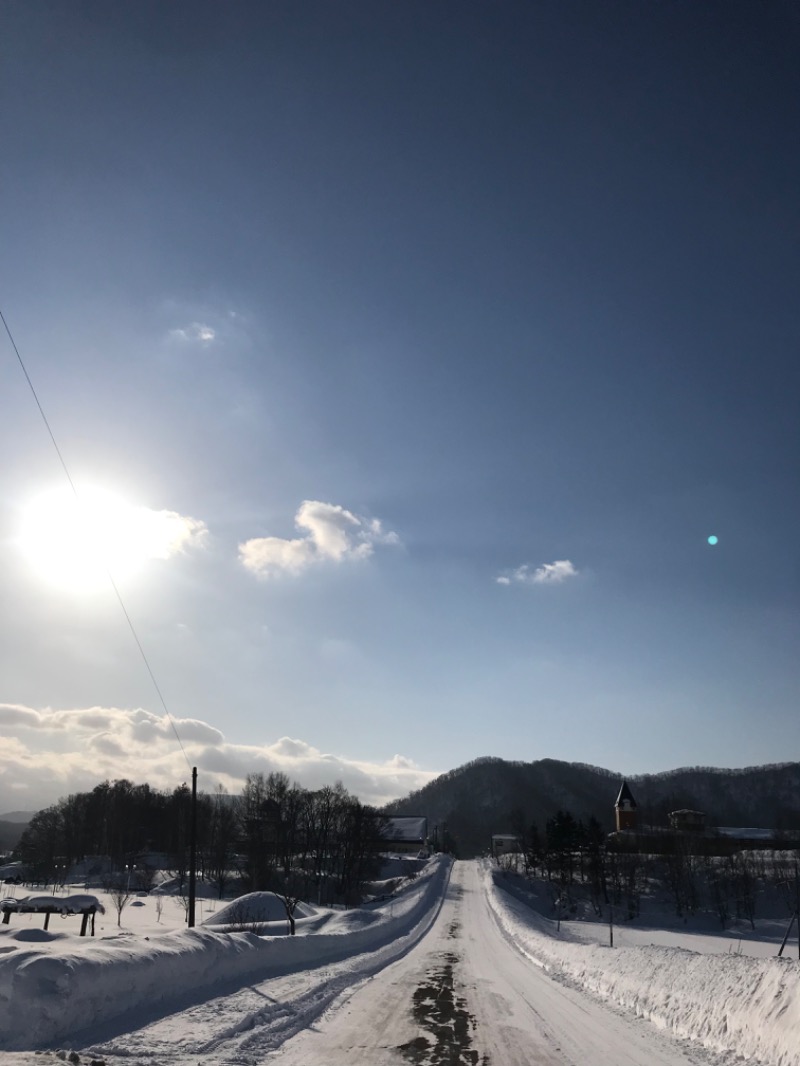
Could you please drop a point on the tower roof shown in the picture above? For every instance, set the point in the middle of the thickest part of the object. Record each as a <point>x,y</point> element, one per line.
<point>625,794</point>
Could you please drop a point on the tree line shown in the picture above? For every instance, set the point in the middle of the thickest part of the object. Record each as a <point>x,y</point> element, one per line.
<point>577,861</point>
<point>275,835</point>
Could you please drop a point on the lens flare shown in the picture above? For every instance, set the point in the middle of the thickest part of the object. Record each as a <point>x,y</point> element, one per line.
<point>713,540</point>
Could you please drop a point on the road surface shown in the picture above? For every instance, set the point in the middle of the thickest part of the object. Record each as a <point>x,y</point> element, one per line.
<point>461,995</point>
<point>465,995</point>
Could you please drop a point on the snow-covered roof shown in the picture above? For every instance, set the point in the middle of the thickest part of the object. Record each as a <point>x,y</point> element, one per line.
<point>405,829</point>
<point>78,903</point>
<point>745,834</point>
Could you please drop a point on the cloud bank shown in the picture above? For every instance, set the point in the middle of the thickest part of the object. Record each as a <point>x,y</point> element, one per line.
<point>47,754</point>
<point>546,574</point>
<point>330,533</point>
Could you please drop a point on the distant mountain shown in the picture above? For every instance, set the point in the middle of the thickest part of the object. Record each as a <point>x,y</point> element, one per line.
<point>491,795</point>
<point>17,816</point>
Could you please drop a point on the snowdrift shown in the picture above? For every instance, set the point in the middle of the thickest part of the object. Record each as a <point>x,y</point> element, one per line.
<point>46,998</point>
<point>728,1003</point>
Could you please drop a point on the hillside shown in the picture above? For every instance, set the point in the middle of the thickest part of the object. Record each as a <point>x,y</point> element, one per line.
<point>490,795</point>
<point>10,833</point>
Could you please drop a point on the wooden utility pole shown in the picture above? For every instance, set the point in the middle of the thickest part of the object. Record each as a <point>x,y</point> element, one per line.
<point>611,925</point>
<point>796,915</point>
<point>193,850</point>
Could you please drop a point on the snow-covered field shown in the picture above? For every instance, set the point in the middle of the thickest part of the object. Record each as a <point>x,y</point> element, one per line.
<point>145,993</point>
<point>728,1002</point>
<point>658,925</point>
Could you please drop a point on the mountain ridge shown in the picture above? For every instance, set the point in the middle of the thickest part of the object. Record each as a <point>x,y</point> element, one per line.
<point>494,795</point>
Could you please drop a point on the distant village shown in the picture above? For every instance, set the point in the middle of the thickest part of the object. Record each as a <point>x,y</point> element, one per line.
<point>684,828</point>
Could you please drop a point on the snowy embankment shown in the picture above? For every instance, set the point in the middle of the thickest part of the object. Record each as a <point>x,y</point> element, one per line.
<point>47,997</point>
<point>728,1003</point>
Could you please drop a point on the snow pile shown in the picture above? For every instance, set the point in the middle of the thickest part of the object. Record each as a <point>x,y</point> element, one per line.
<point>254,908</point>
<point>47,997</point>
<point>729,1003</point>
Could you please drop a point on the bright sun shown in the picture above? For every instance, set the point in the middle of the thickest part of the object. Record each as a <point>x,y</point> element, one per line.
<point>75,542</point>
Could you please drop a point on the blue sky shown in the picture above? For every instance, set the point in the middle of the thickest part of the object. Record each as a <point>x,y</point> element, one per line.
<point>431,341</point>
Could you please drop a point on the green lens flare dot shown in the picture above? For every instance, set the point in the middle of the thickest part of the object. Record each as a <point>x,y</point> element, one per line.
<point>713,540</point>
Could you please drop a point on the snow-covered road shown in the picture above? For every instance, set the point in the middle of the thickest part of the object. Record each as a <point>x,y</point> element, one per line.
<point>461,994</point>
<point>465,995</point>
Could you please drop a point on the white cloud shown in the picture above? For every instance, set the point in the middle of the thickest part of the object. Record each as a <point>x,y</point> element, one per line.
<point>330,533</point>
<point>546,574</point>
<point>195,333</point>
<point>135,726</point>
<point>12,714</point>
<point>166,533</point>
<point>52,753</point>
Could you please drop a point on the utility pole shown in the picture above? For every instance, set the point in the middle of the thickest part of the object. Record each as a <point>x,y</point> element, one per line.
<point>797,903</point>
<point>193,850</point>
<point>611,925</point>
<point>796,915</point>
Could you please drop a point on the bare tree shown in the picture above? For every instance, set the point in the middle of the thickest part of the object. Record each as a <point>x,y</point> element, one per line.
<point>681,875</point>
<point>719,887</point>
<point>120,894</point>
<point>222,837</point>
<point>183,895</point>
<point>745,885</point>
<point>290,905</point>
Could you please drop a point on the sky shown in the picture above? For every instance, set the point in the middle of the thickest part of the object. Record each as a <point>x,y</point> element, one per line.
<point>403,358</point>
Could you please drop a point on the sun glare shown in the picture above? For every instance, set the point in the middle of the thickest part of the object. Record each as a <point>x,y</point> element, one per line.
<point>76,542</point>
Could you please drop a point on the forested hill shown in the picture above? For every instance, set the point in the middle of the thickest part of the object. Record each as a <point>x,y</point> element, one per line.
<point>10,832</point>
<point>495,796</point>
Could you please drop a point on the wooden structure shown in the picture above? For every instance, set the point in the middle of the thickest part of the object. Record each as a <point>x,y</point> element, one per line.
<point>82,903</point>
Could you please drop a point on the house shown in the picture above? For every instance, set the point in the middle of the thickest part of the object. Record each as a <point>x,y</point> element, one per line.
<point>404,833</point>
<point>504,844</point>
<point>686,821</point>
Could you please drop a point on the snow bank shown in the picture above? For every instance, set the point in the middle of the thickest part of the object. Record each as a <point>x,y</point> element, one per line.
<point>728,1003</point>
<point>45,998</point>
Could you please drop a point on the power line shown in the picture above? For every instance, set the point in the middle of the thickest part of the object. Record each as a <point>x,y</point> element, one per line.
<point>110,576</point>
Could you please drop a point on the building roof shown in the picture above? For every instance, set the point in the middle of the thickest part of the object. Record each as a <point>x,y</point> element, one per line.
<point>405,829</point>
<point>625,794</point>
<point>746,834</point>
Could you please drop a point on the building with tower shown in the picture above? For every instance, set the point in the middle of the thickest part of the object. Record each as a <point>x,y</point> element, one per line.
<point>625,809</point>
